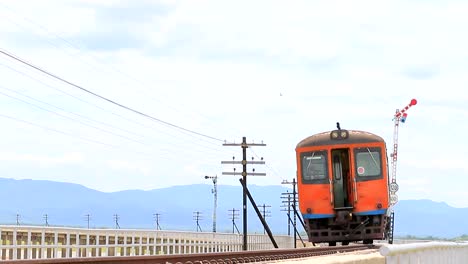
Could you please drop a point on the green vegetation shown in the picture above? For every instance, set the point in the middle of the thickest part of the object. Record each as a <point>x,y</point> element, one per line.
<point>463,237</point>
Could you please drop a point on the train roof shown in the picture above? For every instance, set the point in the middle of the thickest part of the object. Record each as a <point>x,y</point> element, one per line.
<point>355,136</point>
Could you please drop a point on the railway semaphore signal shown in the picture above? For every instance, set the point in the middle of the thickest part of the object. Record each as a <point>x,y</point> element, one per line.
<point>400,116</point>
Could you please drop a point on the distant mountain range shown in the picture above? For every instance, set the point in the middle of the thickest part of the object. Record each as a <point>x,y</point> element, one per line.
<point>66,204</point>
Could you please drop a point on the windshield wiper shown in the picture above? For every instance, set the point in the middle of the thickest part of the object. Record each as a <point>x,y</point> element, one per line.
<point>375,162</point>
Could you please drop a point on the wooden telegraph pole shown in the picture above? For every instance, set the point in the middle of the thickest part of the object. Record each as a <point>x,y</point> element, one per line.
<point>244,145</point>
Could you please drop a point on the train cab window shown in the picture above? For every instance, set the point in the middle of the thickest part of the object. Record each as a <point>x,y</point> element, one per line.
<point>368,163</point>
<point>314,167</point>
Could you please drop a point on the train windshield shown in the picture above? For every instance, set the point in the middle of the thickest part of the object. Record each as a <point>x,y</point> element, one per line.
<point>314,167</point>
<point>368,163</point>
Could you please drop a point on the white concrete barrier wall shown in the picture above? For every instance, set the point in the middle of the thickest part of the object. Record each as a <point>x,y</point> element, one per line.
<point>427,253</point>
<point>36,242</point>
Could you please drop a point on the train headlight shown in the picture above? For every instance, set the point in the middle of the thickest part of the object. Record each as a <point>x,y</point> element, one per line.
<point>309,210</point>
<point>334,135</point>
<point>344,134</point>
<point>339,134</point>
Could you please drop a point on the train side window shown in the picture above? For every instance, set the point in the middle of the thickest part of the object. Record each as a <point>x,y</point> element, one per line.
<point>314,167</point>
<point>368,163</point>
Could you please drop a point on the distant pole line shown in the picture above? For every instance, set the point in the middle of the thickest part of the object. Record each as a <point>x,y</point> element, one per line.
<point>17,219</point>
<point>265,213</point>
<point>233,216</point>
<point>197,217</point>
<point>88,218</point>
<point>157,217</point>
<point>116,219</point>
<point>294,183</point>
<point>296,232</point>
<point>288,208</point>
<point>46,218</point>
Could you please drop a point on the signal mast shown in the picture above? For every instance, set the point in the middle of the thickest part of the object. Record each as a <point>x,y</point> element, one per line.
<point>400,116</point>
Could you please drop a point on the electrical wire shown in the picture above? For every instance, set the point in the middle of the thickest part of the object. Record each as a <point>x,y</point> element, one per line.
<point>113,113</point>
<point>72,45</point>
<point>73,119</point>
<point>105,98</point>
<point>72,113</point>
<point>275,172</point>
<point>78,48</point>
<point>72,135</point>
<point>39,107</point>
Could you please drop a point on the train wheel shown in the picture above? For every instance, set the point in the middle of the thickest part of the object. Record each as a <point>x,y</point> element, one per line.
<point>368,241</point>
<point>331,244</point>
<point>345,243</point>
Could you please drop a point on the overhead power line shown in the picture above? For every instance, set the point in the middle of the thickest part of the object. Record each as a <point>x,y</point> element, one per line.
<point>62,109</point>
<point>73,119</point>
<point>102,109</point>
<point>272,169</point>
<point>64,116</point>
<point>105,98</point>
<point>78,47</point>
<point>71,135</point>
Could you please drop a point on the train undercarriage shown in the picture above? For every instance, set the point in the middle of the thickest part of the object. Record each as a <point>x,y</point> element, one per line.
<point>346,227</point>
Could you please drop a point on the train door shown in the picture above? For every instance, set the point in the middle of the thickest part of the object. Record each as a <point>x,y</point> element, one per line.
<point>341,175</point>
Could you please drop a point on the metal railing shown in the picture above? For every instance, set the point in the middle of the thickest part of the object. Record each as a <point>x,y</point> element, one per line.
<point>37,242</point>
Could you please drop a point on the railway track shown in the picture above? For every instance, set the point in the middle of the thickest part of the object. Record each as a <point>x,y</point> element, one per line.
<point>209,258</point>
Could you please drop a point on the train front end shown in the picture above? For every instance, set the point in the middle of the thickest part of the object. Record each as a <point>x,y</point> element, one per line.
<point>342,180</point>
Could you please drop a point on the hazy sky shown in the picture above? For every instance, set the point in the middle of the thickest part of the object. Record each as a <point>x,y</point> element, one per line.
<point>267,70</point>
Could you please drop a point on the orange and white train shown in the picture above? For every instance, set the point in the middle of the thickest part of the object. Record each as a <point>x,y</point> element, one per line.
<point>343,186</point>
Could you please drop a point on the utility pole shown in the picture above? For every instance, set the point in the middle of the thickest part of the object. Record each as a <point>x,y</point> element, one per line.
<point>197,217</point>
<point>244,145</point>
<point>156,218</point>
<point>265,213</point>
<point>46,218</point>
<point>294,207</point>
<point>116,219</point>
<point>215,194</point>
<point>88,218</point>
<point>287,200</point>
<point>18,216</point>
<point>234,215</point>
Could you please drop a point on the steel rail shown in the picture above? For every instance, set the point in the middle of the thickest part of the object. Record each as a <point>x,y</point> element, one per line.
<point>207,258</point>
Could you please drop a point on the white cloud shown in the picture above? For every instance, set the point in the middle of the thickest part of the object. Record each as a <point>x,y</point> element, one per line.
<point>219,68</point>
<point>56,17</point>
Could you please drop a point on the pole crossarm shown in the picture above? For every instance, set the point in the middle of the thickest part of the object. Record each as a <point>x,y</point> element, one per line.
<point>247,174</point>
<point>244,145</point>
<point>241,162</point>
